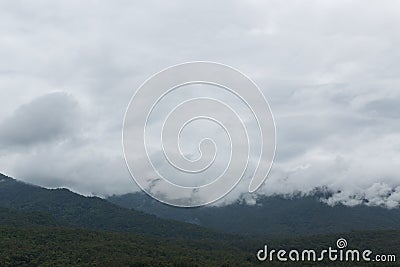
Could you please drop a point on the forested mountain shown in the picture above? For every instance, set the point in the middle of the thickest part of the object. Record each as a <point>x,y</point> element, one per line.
<point>26,218</point>
<point>67,208</point>
<point>272,216</point>
<point>42,227</point>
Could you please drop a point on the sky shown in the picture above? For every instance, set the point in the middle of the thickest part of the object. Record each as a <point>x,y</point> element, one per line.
<point>330,71</point>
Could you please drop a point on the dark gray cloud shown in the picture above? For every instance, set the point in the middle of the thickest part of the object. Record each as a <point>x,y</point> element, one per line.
<point>52,117</point>
<point>383,108</point>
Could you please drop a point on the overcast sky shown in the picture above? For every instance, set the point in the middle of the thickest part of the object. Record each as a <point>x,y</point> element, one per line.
<point>329,69</point>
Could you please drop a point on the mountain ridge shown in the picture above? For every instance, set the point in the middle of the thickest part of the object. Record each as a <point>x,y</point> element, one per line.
<point>273,215</point>
<point>38,228</point>
<point>72,209</point>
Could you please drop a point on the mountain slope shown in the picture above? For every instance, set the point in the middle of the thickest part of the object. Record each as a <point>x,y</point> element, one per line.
<point>273,216</point>
<point>24,219</point>
<point>90,212</point>
<point>38,227</point>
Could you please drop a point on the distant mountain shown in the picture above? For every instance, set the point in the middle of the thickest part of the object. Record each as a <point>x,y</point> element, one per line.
<point>63,207</point>
<point>272,216</point>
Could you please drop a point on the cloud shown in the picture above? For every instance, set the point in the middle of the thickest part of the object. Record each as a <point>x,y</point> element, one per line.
<point>378,194</point>
<point>80,167</point>
<point>48,118</point>
<point>329,70</point>
<point>50,141</point>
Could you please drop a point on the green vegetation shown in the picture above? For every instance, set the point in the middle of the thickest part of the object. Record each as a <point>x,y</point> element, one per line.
<point>53,246</point>
<point>45,246</point>
<point>21,219</point>
<point>71,209</point>
<point>42,227</point>
<point>273,216</point>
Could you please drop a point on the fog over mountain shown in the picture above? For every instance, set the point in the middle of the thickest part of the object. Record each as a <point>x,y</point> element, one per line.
<point>330,71</point>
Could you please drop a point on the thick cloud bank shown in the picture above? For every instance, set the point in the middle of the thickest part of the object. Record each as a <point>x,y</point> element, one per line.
<point>330,70</point>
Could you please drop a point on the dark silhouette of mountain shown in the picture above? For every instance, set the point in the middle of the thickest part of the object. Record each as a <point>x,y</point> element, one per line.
<point>61,206</point>
<point>272,216</point>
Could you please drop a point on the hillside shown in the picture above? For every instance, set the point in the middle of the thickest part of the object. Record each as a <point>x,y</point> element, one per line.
<point>25,218</point>
<point>42,227</point>
<point>272,216</point>
<point>71,209</point>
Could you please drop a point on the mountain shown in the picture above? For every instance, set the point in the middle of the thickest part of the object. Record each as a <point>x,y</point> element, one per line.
<point>43,227</point>
<point>272,216</point>
<point>56,227</point>
<point>63,207</point>
<point>24,219</point>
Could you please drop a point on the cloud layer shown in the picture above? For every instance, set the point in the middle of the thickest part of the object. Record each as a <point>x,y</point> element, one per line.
<point>330,71</point>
